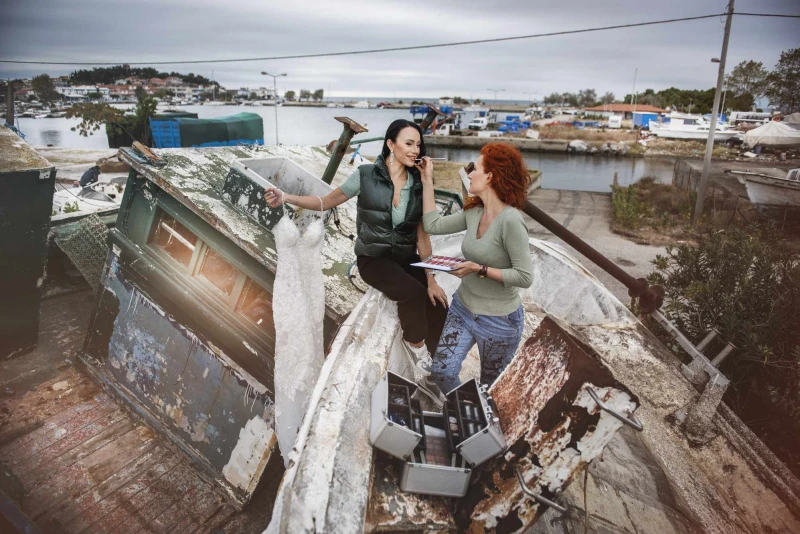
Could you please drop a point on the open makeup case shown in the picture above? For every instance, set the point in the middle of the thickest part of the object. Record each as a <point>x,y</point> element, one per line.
<point>439,450</point>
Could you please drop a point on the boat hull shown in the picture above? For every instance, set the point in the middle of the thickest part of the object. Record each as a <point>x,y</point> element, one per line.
<point>697,135</point>
<point>774,197</point>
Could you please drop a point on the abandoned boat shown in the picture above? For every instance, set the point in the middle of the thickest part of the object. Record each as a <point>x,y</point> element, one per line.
<point>181,337</point>
<point>773,193</point>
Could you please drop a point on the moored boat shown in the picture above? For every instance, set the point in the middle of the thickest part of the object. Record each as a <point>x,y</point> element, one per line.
<point>682,126</point>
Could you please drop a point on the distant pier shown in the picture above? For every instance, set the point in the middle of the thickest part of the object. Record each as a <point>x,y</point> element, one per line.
<point>523,143</point>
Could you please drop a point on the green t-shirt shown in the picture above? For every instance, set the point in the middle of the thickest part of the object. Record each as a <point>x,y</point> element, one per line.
<point>352,187</point>
<point>504,246</point>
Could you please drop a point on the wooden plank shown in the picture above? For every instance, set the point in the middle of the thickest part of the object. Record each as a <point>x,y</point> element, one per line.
<point>205,505</point>
<point>131,479</point>
<point>47,456</point>
<point>35,410</point>
<point>148,504</point>
<point>178,511</point>
<point>58,428</point>
<point>106,502</point>
<point>33,478</point>
<point>217,521</point>
<point>88,472</point>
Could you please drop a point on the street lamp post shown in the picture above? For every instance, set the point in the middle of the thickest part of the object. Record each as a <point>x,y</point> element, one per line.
<point>275,92</point>
<point>495,91</point>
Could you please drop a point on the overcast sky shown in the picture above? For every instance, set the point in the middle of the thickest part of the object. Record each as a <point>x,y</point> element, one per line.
<point>676,54</point>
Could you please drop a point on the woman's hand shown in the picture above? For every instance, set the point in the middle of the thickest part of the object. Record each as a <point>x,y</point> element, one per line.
<point>465,268</point>
<point>273,196</point>
<point>435,292</point>
<point>426,170</point>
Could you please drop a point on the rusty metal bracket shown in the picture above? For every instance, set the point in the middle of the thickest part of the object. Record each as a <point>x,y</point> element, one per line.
<point>536,497</point>
<point>631,422</point>
<point>350,128</point>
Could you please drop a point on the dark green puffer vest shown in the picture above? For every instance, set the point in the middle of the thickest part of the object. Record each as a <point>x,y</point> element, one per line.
<point>376,235</point>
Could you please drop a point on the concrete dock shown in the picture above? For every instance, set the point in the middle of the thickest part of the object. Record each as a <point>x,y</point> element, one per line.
<point>523,143</point>
<point>588,215</point>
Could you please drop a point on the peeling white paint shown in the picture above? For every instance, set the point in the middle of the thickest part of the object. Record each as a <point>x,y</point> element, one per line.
<point>250,455</point>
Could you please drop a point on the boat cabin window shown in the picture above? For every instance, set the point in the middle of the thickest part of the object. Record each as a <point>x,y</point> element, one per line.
<point>240,293</point>
<point>256,305</point>
<point>689,121</point>
<point>219,272</point>
<point>174,239</point>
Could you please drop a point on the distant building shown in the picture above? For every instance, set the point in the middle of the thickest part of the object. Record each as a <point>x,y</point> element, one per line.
<point>173,80</point>
<point>626,110</point>
<point>81,92</point>
<point>156,82</point>
<point>445,101</point>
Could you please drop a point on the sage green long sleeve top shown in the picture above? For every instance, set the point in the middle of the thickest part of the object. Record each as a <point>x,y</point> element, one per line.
<point>503,246</point>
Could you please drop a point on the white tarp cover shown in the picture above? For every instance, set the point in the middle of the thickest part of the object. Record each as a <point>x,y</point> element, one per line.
<point>794,118</point>
<point>773,134</point>
<point>298,307</point>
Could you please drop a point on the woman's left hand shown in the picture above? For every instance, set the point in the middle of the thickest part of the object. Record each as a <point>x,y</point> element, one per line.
<point>426,171</point>
<point>435,292</point>
<point>465,268</point>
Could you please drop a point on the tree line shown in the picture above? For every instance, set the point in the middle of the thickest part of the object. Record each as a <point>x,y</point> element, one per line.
<point>305,94</point>
<point>109,75</point>
<point>747,82</point>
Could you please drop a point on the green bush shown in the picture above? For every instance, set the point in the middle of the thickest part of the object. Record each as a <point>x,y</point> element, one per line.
<point>626,208</point>
<point>745,281</point>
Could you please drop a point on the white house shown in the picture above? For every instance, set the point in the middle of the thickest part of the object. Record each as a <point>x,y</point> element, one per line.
<point>445,101</point>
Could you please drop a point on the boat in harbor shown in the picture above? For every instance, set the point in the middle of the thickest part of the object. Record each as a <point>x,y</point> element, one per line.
<point>181,337</point>
<point>683,126</point>
<point>774,192</point>
<point>82,201</point>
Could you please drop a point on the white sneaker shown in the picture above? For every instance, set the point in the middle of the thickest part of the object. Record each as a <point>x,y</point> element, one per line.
<point>420,360</point>
<point>428,387</point>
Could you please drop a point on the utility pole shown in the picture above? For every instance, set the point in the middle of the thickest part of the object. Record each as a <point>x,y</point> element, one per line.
<point>10,103</point>
<point>633,94</point>
<point>701,190</point>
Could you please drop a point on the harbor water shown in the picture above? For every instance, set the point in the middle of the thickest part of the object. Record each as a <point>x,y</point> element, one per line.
<point>317,126</point>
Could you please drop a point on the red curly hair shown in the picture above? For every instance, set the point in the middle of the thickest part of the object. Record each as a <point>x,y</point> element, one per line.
<point>510,178</point>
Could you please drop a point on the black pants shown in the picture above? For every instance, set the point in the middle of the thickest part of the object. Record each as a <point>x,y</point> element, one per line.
<point>408,286</point>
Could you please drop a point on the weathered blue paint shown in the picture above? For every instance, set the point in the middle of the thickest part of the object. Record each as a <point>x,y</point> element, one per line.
<point>178,378</point>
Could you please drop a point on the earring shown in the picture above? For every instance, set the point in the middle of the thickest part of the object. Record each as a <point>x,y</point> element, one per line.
<point>391,158</point>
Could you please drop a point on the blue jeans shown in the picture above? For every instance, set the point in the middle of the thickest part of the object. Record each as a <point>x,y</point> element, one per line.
<point>497,336</point>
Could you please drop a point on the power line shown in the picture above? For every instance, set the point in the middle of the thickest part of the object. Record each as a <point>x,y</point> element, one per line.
<point>768,15</point>
<point>395,49</point>
<point>371,51</point>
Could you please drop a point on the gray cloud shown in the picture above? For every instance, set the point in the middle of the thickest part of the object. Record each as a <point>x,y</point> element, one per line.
<point>148,30</point>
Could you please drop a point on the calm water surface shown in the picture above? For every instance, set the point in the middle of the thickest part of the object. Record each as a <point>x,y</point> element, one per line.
<point>317,126</point>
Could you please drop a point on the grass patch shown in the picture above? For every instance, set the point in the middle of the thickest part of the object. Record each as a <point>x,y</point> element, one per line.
<point>649,204</point>
<point>589,134</point>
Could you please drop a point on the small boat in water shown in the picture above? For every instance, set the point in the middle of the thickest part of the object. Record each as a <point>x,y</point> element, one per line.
<point>773,194</point>
<point>682,126</point>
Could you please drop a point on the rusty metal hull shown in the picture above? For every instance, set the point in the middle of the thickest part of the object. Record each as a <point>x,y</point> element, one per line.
<point>552,425</point>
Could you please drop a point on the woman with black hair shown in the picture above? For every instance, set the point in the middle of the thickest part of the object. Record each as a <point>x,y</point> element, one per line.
<point>391,238</point>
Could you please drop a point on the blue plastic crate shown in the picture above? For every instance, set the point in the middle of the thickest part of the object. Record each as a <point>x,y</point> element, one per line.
<point>166,133</point>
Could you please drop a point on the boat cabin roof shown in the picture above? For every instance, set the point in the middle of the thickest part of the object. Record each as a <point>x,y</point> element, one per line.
<point>195,177</point>
<point>18,156</point>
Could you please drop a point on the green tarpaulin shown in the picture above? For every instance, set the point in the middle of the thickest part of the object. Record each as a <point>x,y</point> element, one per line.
<point>231,130</point>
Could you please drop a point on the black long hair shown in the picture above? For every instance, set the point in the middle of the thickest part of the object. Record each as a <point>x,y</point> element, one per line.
<point>393,131</point>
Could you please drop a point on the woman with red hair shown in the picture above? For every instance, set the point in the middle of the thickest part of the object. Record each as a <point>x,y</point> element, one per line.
<point>487,308</point>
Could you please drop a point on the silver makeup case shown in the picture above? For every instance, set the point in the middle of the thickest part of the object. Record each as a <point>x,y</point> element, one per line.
<point>439,449</point>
